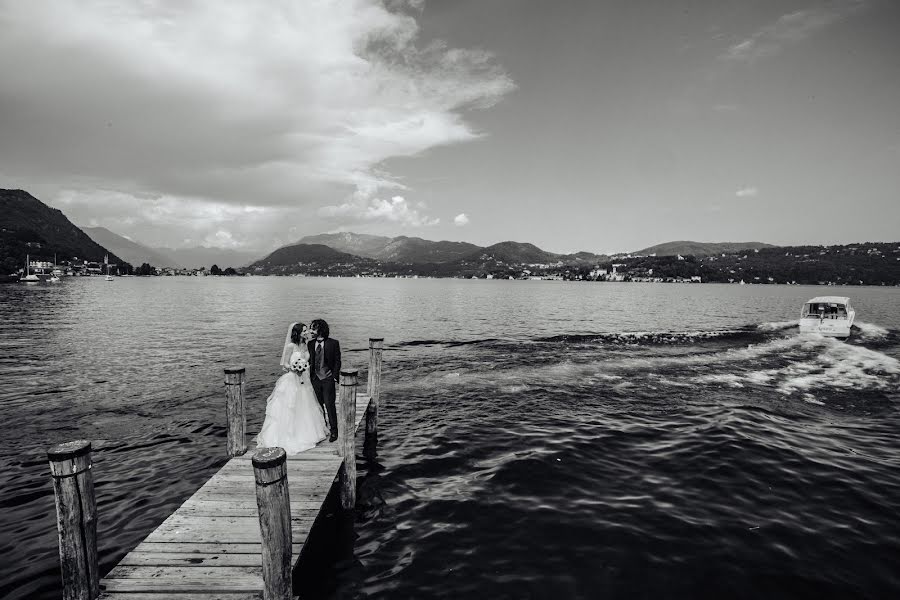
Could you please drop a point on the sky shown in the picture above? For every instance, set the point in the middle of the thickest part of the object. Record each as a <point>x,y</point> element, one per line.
<point>603,126</point>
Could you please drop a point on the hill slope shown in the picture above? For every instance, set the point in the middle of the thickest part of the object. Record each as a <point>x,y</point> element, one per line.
<point>360,244</point>
<point>401,249</point>
<point>512,253</point>
<point>28,226</point>
<point>135,253</point>
<point>687,248</point>
<point>304,258</point>
<point>418,251</point>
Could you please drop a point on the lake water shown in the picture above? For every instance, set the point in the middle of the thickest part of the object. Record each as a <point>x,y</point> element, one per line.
<point>538,439</point>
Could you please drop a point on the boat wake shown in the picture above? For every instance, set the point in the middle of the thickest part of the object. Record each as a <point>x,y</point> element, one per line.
<point>766,358</point>
<point>870,331</point>
<point>809,364</point>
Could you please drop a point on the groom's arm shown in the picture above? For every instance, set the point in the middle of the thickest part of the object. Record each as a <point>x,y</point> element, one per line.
<point>337,361</point>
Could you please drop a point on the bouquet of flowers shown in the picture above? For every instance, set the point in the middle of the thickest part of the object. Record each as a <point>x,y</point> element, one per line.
<point>299,365</point>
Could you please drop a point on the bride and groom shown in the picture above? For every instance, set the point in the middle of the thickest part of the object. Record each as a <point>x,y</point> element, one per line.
<point>296,408</point>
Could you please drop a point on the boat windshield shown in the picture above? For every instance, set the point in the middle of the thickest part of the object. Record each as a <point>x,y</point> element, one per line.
<point>825,310</point>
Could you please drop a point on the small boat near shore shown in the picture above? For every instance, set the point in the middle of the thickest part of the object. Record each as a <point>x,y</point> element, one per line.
<point>831,316</point>
<point>29,276</point>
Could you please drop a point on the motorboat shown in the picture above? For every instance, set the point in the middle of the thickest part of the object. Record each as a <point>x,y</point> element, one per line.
<point>831,316</point>
<point>54,279</point>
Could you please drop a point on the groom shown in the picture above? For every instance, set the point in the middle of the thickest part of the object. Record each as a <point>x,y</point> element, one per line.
<point>325,371</point>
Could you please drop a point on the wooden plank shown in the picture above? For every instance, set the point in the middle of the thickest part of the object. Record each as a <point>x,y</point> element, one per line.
<point>204,547</point>
<point>231,503</point>
<point>320,452</point>
<point>185,559</point>
<point>180,596</point>
<point>179,520</point>
<point>198,534</point>
<point>168,585</point>
<point>234,509</point>
<point>194,571</point>
<point>315,463</point>
<point>299,477</point>
<point>223,496</point>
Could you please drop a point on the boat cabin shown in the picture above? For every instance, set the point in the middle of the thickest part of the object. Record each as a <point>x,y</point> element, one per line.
<point>827,307</point>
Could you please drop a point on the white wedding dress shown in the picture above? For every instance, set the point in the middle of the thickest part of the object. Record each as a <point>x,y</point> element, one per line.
<point>294,419</point>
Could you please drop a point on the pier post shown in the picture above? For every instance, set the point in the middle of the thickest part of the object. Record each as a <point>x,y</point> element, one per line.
<point>234,411</point>
<point>273,501</point>
<point>76,519</point>
<point>373,389</point>
<point>346,437</point>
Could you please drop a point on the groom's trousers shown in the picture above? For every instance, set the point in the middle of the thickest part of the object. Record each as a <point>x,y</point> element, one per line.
<point>325,392</point>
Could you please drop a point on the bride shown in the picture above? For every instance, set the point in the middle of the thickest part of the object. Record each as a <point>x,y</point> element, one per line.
<point>294,420</point>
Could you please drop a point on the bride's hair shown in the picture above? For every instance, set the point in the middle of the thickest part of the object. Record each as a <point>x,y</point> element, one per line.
<point>297,332</point>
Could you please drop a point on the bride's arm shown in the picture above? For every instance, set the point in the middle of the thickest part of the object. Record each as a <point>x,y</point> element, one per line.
<point>291,348</point>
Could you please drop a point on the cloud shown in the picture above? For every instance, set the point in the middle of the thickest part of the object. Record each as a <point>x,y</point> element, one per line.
<point>171,221</point>
<point>461,219</point>
<point>747,192</point>
<point>790,29</point>
<point>367,210</point>
<point>276,105</point>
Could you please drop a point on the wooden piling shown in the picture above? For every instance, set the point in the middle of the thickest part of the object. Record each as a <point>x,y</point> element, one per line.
<point>273,502</point>
<point>376,345</point>
<point>76,518</point>
<point>234,411</point>
<point>346,438</point>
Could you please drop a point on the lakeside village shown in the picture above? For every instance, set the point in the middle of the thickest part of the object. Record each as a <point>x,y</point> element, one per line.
<point>870,263</point>
<point>86,268</point>
<point>865,264</point>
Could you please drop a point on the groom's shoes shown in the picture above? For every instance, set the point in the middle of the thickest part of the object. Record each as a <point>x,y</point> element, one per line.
<point>332,436</point>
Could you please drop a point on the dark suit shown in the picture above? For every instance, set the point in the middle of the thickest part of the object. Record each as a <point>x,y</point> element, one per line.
<point>325,388</point>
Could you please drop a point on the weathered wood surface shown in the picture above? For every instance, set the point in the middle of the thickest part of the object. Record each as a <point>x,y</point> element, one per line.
<point>274,503</point>
<point>346,413</point>
<point>234,411</point>
<point>76,518</point>
<point>373,389</point>
<point>211,547</point>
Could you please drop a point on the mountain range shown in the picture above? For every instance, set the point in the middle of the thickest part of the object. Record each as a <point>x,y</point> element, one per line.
<point>136,254</point>
<point>191,258</point>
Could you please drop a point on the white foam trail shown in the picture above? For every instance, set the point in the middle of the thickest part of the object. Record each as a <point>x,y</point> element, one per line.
<point>817,362</point>
<point>731,379</point>
<point>777,325</point>
<point>870,331</point>
<point>831,364</point>
<point>842,366</point>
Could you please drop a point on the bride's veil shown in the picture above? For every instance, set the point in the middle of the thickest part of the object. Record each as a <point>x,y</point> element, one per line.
<point>286,352</point>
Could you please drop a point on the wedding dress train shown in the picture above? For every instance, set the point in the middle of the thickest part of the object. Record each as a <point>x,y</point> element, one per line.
<point>294,419</point>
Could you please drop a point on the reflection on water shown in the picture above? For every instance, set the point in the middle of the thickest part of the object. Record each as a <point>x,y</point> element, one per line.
<point>539,438</point>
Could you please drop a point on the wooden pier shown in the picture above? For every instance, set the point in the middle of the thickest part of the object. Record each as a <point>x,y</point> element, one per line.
<point>241,534</point>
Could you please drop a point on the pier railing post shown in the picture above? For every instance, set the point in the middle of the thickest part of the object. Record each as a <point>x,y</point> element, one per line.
<point>347,438</point>
<point>234,411</point>
<point>373,389</point>
<point>274,503</point>
<point>76,518</point>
